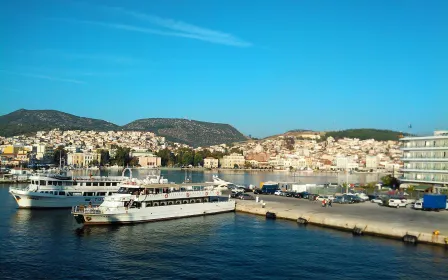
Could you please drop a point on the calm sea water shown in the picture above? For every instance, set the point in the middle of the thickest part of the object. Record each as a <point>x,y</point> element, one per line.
<point>43,244</point>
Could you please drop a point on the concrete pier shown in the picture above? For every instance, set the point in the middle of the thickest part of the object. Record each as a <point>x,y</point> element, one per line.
<point>408,225</point>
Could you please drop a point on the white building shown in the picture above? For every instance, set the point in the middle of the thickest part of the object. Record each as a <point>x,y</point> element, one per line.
<point>210,162</point>
<point>425,159</point>
<point>371,162</point>
<point>232,161</point>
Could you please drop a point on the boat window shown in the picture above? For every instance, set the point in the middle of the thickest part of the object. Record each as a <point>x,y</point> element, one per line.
<point>42,183</point>
<point>114,184</point>
<point>122,190</point>
<point>148,204</point>
<point>88,193</point>
<point>95,184</point>
<point>88,184</point>
<point>69,194</point>
<point>107,184</point>
<point>101,194</point>
<point>61,193</point>
<point>59,183</point>
<point>46,191</point>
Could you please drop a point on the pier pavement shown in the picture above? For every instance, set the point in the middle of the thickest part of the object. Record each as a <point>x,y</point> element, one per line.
<point>369,217</point>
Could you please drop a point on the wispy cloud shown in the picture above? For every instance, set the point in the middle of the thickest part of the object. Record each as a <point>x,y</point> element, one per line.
<point>168,27</point>
<point>189,30</point>
<point>45,77</point>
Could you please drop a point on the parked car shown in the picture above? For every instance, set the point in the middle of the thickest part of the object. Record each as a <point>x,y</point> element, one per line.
<point>245,196</point>
<point>304,195</point>
<point>418,205</point>
<point>258,191</point>
<point>278,192</point>
<point>376,200</point>
<point>289,194</point>
<point>393,202</point>
<point>235,194</point>
<point>339,199</point>
<point>326,197</point>
<point>362,196</point>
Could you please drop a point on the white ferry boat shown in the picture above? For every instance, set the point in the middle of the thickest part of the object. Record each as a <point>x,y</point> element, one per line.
<point>137,202</point>
<point>58,191</point>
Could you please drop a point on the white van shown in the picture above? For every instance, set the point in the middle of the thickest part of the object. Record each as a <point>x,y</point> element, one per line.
<point>394,202</point>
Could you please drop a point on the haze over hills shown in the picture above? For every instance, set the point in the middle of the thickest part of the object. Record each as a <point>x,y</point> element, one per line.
<point>194,133</point>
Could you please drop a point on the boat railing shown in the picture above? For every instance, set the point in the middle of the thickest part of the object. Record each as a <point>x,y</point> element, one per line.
<point>81,209</point>
<point>175,195</point>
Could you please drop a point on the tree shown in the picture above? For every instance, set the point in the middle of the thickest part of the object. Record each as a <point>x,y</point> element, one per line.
<point>389,180</point>
<point>247,165</point>
<point>60,155</point>
<point>165,156</point>
<point>105,157</point>
<point>94,163</point>
<point>198,159</point>
<point>122,156</point>
<point>134,161</point>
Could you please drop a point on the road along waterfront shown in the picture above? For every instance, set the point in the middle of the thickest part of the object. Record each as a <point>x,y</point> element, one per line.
<point>362,218</point>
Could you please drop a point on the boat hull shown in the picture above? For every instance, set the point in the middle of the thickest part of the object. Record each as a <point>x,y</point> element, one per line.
<point>152,214</point>
<point>26,199</point>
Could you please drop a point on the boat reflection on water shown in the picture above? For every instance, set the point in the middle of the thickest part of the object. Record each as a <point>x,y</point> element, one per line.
<point>194,231</point>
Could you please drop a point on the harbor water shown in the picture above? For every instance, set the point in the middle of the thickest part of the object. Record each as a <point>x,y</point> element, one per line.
<point>44,244</point>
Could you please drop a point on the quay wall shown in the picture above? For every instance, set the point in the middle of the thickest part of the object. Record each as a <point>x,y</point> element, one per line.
<point>358,225</point>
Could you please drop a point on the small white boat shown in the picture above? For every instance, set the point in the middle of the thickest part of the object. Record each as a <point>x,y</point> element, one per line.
<point>137,202</point>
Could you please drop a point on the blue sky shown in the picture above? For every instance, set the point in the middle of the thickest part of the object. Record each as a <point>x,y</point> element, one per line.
<point>262,66</point>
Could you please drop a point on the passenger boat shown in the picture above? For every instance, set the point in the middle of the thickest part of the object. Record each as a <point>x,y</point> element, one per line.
<point>137,202</point>
<point>59,191</point>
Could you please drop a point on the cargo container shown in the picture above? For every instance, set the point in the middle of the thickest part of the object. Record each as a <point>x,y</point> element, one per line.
<point>434,202</point>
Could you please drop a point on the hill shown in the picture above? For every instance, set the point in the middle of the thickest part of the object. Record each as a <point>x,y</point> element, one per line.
<point>194,133</point>
<point>28,121</point>
<point>366,133</point>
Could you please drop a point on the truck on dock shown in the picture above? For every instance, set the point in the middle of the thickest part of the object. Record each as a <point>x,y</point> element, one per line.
<point>434,202</point>
<point>269,187</point>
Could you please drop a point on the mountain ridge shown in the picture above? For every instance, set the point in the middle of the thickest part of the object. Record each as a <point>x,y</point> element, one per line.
<point>191,132</point>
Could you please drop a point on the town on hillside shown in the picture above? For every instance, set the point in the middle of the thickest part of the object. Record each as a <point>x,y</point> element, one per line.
<point>295,152</point>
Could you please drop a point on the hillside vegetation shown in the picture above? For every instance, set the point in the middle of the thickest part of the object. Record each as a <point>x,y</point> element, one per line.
<point>29,121</point>
<point>194,133</point>
<point>366,133</point>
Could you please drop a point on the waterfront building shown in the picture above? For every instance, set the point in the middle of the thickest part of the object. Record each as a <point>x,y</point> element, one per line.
<point>425,159</point>
<point>149,161</point>
<point>82,159</point>
<point>210,162</point>
<point>233,160</point>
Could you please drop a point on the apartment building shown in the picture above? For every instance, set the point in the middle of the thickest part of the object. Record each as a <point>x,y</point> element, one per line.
<point>425,159</point>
